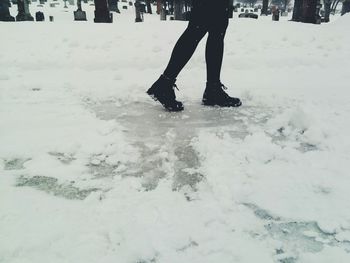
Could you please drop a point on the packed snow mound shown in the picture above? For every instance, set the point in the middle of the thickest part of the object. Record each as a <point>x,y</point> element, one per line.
<point>344,19</point>
<point>340,22</point>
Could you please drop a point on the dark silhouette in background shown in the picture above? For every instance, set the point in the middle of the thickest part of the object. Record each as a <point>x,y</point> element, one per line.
<point>210,17</point>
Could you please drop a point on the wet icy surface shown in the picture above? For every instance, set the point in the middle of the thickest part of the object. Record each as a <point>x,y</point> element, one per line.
<point>296,237</point>
<point>164,139</point>
<point>51,186</point>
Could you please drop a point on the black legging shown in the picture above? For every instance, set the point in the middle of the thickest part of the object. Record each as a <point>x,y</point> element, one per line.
<point>207,16</point>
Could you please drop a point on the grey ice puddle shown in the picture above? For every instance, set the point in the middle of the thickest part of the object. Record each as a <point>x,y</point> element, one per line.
<point>164,138</point>
<point>51,186</point>
<point>15,164</point>
<point>295,237</point>
<point>47,184</point>
<point>164,141</point>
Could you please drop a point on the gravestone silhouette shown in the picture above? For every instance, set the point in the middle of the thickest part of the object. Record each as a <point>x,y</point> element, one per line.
<point>79,15</point>
<point>23,11</point>
<point>113,5</point>
<point>39,16</point>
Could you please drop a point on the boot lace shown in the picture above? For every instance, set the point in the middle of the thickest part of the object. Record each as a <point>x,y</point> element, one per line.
<point>222,90</point>
<point>223,87</point>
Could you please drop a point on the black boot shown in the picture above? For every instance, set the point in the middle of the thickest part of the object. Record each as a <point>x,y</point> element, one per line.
<point>215,95</point>
<point>163,91</point>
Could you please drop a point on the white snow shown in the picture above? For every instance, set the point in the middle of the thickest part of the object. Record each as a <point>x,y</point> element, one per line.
<point>92,170</point>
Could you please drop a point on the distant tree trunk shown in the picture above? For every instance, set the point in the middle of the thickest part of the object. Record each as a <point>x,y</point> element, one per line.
<point>346,7</point>
<point>171,7</point>
<point>333,4</point>
<point>23,11</point>
<point>264,7</point>
<point>138,14</point>
<point>297,11</point>
<point>284,9</point>
<point>327,10</point>
<point>159,6</point>
<point>179,9</point>
<point>307,11</point>
<point>102,14</point>
<point>149,7</point>
<point>162,10</point>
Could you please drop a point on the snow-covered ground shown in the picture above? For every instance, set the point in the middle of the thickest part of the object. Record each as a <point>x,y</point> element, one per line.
<point>92,170</point>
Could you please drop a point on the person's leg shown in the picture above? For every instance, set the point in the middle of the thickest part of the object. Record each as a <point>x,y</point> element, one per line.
<point>215,44</point>
<point>184,49</point>
<point>163,89</point>
<point>188,42</point>
<point>214,94</point>
<point>214,54</point>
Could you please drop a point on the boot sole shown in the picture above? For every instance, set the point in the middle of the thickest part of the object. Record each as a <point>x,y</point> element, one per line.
<point>153,96</point>
<point>222,106</point>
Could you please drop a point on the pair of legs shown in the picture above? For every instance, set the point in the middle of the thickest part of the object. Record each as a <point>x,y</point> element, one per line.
<point>206,17</point>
